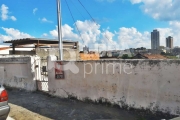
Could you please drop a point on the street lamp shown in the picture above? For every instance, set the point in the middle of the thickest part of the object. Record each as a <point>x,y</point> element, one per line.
<point>59,29</point>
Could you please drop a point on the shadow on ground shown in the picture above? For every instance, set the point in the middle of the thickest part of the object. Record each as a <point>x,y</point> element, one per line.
<point>66,109</point>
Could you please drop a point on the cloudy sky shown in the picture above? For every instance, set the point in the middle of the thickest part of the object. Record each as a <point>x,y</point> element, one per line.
<point>112,24</point>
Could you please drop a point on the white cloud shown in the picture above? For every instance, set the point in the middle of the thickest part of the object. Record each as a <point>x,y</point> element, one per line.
<point>67,33</point>
<point>94,38</point>
<point>107,36</point>
<point>35,10</point>
<point>107,41</point>
<point>44,34</point>
<point>91,35</point>
<point>175,24</point>
<point>89,31</point>
<point>13,18</point>
<point>45,20</point>
<point>12,33</point>
<point>132,38</point>
<point>4,38</point>
<point>175,28</point>
<point>165,10</point>
<point>54,33</point>
<point>164,33</point>
<point>123,39</point>
<point>5,12</point>
<point>135,1</point>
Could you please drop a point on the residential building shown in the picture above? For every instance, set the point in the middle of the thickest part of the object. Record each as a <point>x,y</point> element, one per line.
<point>161,47</point>
<point>155,42</point>
<point>44,47</point>
<point>176,51</point>
<point>86,49</point>
<point>115,54</point>
<point>169,42</point>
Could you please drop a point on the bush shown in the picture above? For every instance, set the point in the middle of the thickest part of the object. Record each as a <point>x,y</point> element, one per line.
<point>125,56</point>
<point>163,53</point>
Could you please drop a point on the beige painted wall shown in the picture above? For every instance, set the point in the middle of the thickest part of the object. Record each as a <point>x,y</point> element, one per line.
<point>151,84</point>
<point>19,72</point>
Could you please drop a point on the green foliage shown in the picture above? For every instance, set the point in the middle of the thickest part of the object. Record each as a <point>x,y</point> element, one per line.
<point>171,57</point>
<point>125,56</point>
<point>163,53</point>
<point>168,55</point>
<point>140,118</point>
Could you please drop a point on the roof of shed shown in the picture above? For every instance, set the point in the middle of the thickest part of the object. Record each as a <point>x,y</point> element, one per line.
<point>26,41</point>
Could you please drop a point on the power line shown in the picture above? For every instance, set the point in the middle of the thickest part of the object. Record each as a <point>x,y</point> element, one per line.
<point>77,9</point>
<point>73,19</point>
<point>91,17</point>
<point>87,11</point>
<point>80,13</point>
<point>105,35</point>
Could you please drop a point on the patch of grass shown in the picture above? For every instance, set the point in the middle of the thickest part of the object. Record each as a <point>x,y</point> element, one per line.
<point>171,57</point>
<point>140,118</point>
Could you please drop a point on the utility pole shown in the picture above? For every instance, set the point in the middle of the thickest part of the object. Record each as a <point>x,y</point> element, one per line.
<point>59,29</point>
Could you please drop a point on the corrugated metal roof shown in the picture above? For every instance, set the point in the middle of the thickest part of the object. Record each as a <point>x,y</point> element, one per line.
<point>24,41</point>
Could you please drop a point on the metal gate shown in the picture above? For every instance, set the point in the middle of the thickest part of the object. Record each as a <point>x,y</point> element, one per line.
<point>42,84</point>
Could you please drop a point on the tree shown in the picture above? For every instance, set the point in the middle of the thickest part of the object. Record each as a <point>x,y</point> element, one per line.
<point>125,56</point>
<point>163,53</point>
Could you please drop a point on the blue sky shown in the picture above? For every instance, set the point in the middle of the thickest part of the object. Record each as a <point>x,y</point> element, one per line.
<point>119,23</point>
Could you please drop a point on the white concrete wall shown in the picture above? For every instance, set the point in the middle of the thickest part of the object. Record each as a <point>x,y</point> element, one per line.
<point>19,71</point>
<point>149,84</point>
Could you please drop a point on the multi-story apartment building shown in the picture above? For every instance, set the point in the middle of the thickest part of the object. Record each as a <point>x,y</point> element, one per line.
<point>155,42</point>
<point>169,42</point>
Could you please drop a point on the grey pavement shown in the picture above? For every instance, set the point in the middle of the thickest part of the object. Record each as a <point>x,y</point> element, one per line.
<point>41,106</point>
<point>178,118</point>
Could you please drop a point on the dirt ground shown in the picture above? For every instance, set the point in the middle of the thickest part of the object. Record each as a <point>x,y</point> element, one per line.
<point>39,106</point>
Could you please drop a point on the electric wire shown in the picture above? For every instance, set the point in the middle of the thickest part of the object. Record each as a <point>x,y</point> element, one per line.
<point>86,11</point>
<point>77,8</point>
<point>73,19</point>
<point>91,16</point>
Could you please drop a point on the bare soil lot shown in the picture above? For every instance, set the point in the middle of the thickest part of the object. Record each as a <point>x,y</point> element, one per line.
<point>40,106</point>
